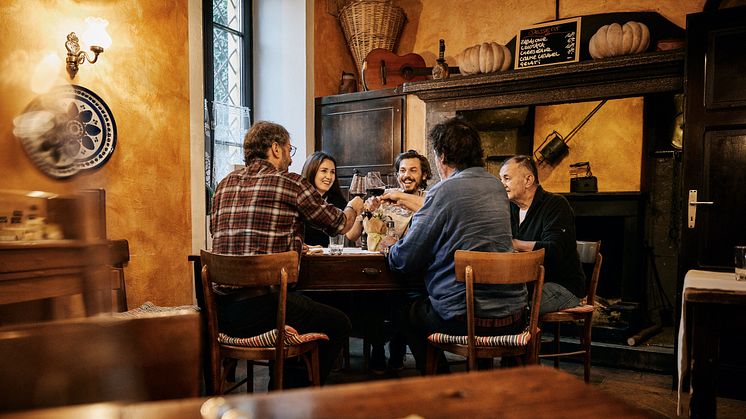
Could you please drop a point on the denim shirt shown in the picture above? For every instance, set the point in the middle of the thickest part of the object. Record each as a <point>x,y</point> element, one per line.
<point>467,211</point>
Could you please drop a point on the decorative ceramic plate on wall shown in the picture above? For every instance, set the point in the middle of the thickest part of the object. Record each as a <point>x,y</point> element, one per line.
<point>67,130</point>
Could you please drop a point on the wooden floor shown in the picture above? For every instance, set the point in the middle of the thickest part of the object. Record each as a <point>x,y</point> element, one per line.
<point>650,391</point>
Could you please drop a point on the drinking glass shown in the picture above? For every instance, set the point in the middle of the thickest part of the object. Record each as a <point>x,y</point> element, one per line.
<point>374,186</point>
<point>357,186</point>
<point>336,244</point>
<point>392,181</point>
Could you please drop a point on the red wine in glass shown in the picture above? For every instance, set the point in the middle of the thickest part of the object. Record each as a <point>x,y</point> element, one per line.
<point>375,191</point>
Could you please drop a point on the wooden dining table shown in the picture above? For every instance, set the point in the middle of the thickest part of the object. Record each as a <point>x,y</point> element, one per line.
<point>353,270</point>
<point>524,392</point>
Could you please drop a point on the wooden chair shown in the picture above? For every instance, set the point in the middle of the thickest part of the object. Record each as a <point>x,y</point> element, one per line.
<point>590,254</point>
<point>276,345</point>
<point>492,268</point>
<point>98,359</point>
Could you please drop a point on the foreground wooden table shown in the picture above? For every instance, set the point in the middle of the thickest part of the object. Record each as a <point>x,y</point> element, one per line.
<point>46,269</point>
<point>531,392</point>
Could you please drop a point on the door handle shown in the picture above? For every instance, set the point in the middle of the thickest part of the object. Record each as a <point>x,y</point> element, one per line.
<point>692,211</point>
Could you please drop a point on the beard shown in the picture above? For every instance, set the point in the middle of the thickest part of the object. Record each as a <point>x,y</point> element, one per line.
<point>409,187</point>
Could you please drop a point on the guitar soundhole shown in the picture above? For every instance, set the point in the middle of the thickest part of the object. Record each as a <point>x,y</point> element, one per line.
<point>407,72</point>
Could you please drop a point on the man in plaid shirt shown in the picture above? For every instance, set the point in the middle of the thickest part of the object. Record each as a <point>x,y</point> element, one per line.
<point>261,209</point>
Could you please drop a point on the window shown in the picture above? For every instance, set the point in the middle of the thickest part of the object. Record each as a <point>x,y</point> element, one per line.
<point>228,89</point>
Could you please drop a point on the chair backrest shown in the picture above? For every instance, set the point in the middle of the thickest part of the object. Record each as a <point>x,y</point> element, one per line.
<point>246,271</point>
<point>97,359</point>
<point>500,268</point>
<point>119,255</point>
<point>590,254</point>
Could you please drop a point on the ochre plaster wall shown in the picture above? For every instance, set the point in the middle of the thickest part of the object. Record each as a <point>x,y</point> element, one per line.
<point>611,141</point>
<point>143,77</point>
<point>617,128</point>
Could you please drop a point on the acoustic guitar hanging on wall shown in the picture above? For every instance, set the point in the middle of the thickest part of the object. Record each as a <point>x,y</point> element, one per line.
<point>382,69</point>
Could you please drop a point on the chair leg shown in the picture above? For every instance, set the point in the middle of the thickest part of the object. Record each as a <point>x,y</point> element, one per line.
<point>431,360</point>
<point>556,343</point>
<point>346,355</point>
<point>587,328</point>
<point>249,376</point>
<point>315,373</point>
<point>366,354</point>
<point>279,372</point>
<point>230,366</point>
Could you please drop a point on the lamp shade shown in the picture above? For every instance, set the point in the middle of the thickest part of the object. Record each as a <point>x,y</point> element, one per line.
<point>96,34</point>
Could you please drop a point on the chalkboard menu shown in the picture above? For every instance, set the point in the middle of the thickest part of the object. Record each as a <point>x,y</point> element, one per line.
<point>548,43</point>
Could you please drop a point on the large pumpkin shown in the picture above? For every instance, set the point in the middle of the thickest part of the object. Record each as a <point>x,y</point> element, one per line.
<point>613,40</point>
<point>486,57</point>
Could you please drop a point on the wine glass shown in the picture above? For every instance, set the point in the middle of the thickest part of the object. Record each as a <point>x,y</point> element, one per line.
<point>357,185</point>
<point>392,182</point>
<point>374,186</point>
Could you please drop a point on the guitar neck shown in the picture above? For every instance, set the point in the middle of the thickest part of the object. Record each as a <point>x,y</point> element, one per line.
<point>428,71</point>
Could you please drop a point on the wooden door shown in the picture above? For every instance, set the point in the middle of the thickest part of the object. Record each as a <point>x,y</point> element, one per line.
<point>714,140</point>
<point>714,166</point>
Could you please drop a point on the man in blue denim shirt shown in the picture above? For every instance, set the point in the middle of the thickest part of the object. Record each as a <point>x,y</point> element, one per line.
<point>467,210</point>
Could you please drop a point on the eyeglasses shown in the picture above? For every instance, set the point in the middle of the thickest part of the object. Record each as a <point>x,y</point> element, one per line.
<point>292,150</point>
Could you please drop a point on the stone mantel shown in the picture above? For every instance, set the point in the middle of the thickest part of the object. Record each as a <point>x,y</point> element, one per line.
<point>615,77</point>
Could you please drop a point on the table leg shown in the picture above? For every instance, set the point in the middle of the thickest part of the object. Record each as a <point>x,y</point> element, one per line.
<point>704,370</point>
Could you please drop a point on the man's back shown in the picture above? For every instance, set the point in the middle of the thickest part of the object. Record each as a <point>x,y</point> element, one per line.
<point>468,211</point>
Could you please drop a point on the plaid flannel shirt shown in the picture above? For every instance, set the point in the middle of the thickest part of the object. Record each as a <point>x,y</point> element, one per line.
<point>258,210</point>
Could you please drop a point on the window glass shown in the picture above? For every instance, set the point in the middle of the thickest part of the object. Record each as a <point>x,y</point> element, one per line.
<point>227,43</point>
<point>227,13</point>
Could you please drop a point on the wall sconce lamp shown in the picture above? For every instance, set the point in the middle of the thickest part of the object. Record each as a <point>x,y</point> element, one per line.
<point>95,36</point>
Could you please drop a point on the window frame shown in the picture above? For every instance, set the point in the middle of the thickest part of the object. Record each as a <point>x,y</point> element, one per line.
<point>246,77</point>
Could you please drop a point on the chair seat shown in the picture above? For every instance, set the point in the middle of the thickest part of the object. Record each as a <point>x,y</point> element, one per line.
<point>268,339</point>
<point>519,340</point>
<point>569,314</point>
<point>148,308</point>
<point>583,308</point>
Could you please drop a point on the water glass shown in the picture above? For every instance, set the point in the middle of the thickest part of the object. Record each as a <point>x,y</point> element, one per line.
<point>740,259</point>
<point>336,244</point>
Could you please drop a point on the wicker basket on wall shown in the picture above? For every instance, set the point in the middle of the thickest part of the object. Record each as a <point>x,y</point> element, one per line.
<point>371,24</point>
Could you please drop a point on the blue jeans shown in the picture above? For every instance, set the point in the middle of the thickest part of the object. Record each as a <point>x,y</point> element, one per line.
<point>555,297</point>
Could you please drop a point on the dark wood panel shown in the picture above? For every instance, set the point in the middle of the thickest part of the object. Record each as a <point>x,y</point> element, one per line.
<point>351,273</point>
<point>725,67</point>
<point>723,177</point>
<point>362,131</point>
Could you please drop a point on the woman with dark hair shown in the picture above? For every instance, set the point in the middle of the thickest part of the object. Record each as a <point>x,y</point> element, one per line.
<point>320,169</point>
